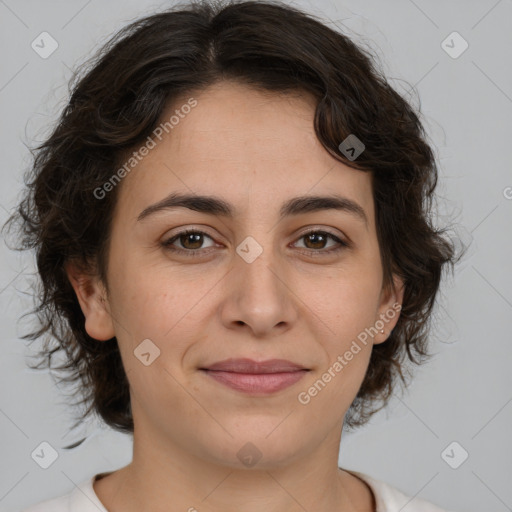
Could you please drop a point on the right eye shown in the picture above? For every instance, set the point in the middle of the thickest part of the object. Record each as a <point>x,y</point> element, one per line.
<point>191,241</point>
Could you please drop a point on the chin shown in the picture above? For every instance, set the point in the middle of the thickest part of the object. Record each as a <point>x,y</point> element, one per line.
<point>252,448</point>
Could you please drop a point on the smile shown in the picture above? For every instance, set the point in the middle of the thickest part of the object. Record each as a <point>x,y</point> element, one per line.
<point>253,377</point>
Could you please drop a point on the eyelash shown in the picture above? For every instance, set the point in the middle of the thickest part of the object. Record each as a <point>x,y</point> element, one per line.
<point>197,252</point>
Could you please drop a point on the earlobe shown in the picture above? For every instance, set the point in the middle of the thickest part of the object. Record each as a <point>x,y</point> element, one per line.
<point>91,295</point>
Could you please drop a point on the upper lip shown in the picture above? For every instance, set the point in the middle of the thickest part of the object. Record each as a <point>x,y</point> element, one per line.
<point>251,366</point>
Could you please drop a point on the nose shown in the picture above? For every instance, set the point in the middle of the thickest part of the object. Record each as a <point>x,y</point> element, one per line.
<point>259,297</point>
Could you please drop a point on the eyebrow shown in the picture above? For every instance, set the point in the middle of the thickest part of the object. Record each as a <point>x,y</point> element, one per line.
<point>216,206</point>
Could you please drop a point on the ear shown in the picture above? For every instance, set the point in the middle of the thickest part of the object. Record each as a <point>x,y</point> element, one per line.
<point>92,297</point>
<point>389,309</point>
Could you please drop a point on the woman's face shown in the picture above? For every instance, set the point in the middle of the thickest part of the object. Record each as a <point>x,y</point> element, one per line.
<point>253,284</point>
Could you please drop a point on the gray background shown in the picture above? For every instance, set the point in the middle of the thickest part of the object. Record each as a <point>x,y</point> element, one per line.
<point>464,394</point>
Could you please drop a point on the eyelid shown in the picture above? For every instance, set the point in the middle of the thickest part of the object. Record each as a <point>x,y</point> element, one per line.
<point>315,228</point>
<point>181,230</point>
<point>304,231</point>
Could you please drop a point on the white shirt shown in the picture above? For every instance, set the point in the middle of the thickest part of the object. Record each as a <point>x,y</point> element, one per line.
<point>84,499</point>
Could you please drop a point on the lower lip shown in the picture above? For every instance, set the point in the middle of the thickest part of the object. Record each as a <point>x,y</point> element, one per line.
<point>256,383</point>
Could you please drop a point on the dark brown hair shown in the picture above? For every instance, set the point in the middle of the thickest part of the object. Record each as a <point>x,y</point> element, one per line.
<point>118,102</point>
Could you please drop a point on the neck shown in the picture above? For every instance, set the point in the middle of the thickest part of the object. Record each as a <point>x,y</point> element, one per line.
<point>157,478</point>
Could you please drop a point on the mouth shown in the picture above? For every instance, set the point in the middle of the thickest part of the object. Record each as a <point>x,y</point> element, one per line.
<point>254,377</point>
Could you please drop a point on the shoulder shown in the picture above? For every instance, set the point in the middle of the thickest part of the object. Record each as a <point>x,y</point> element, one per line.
<point>391,499</point>
<point>81,498</point>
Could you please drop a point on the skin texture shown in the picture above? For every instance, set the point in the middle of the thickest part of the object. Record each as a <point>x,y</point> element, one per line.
<point>255,150</point>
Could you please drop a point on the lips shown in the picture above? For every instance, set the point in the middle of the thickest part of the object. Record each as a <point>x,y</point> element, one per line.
<point>255,377</point>
<point>250,366</point>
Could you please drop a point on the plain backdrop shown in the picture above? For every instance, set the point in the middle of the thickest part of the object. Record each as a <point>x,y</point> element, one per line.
<point>463,396</point>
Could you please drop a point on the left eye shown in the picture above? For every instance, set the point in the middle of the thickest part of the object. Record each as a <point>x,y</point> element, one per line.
<point>320,237</point>
<point>192,240</point>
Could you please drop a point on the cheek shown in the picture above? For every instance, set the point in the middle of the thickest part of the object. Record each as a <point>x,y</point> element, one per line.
<point>161,306</point>
<point>330,392</point>
<point>348,305</point>
<point>144,292</point>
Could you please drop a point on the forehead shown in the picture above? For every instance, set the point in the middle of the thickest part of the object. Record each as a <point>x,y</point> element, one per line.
<point>250,147</point>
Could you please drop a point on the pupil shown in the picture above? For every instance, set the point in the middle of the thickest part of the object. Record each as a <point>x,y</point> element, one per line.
<point>313,235</point>
<point>190,237</point>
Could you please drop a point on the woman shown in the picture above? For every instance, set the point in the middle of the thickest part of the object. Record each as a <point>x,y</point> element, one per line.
<point>231,221</point>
